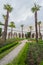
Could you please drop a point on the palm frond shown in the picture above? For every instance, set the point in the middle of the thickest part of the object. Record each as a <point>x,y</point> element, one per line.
<point>8,7</point>
<point>35,8</point>
<point>12,24</point>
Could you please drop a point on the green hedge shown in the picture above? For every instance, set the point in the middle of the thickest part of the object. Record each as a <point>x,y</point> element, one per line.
<point>35,53</point>
<point>7,47</point>
<point>7,42</point>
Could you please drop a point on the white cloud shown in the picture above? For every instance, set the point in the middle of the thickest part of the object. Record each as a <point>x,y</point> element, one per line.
<point>41,3</point>
<point>24,16</point>
<point>21,11</point>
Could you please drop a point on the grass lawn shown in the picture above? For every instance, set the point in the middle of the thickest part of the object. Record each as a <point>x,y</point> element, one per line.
<point>20,59</point>
<point>41,63</point>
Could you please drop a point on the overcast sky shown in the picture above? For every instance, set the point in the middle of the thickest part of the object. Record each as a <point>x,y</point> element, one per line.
<point>21,13</point>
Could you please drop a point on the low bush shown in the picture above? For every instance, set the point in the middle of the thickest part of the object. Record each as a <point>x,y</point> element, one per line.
<point>35,54</point>
<point>31,39</point>
<point>40,41</point>
<point>8,41</point>
<point>1,42</point>
<point>7,47</point>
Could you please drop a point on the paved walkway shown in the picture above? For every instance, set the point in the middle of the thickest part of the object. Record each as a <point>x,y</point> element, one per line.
<point>8,58</point>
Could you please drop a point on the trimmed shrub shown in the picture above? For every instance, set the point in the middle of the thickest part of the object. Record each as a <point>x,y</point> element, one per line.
<point>7,47</point>
<point>35,54</point>
<point>28,34</point>
<point>9,41</point>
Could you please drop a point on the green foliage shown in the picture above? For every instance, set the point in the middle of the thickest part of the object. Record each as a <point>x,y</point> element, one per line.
<point>22,25</point>
<point>8,7</point>
<point>12,24</point>
<point>8,41</point>
<point>8,44</point>
<point>30,27</point>
<point>31,53</point>
<point>7,47</point>
<point>35,8</point>
<point>20,59</point>
<point>28,34</point>
<point>5,17</point>
<point>39,22</point>
<point>41,63</point>
<point>7,51</point>
<point>35,54</point>
<point>31,39</point>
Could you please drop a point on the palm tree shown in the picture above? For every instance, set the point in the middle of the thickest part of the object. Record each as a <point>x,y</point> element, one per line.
<point>39,27</point>
<point>12,25</point>
<point>22,29</point>
<point>30,29</point>
<point>34,10</point>
<point>8,8</point>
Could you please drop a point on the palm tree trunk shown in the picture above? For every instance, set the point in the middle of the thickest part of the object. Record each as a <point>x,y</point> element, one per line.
<point>22,32</point>
<point>30,33</point>
<point>39,30</point>
<point>11,32</point>
<point>36,26</point>
<point>5,27</point>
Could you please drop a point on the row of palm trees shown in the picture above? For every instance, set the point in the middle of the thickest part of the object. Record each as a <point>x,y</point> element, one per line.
<point>35,9</point>
<point>9,9</point>
<point>12,25</point>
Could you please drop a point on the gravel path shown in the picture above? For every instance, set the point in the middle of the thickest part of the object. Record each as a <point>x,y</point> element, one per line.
<point>8,58</point>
